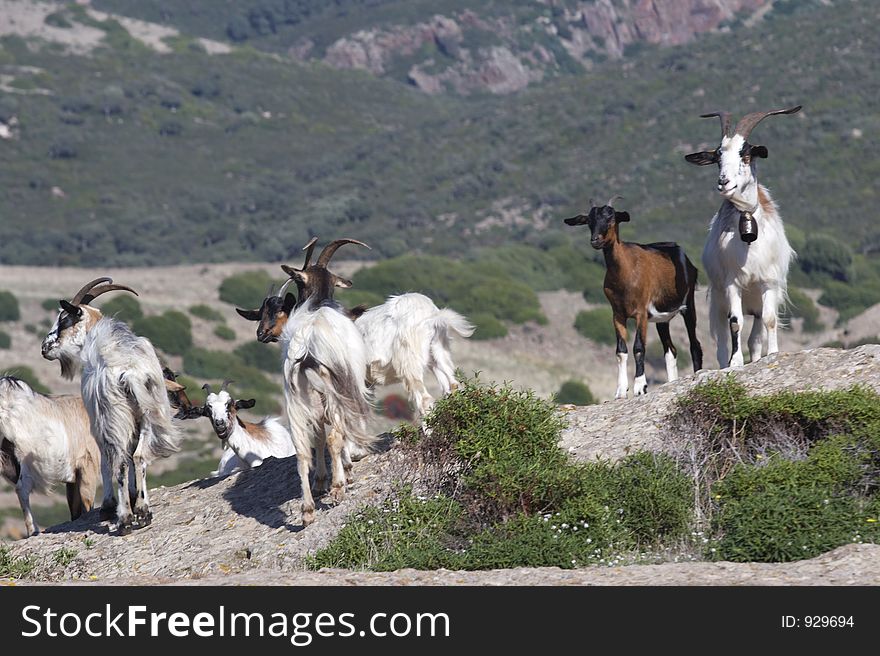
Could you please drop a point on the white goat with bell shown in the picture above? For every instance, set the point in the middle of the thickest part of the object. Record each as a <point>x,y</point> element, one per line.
<point>124,391</point>
<point>746,256</point>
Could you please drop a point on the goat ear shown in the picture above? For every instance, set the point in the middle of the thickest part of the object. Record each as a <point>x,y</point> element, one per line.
<point>173,386</point>
<point>250,315</point>
<point>242,403</point>
<point>621,217</point>
<point>70,308</point>
<point>703,158</point>
<point>297,274</point>
<point>580,219</point>
<point>289,302</point>
<point>343,283</point>
<point>193,412</point>
<point>758,151</point>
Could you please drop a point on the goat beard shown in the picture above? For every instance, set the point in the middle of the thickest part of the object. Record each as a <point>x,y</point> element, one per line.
<point>69,365</point>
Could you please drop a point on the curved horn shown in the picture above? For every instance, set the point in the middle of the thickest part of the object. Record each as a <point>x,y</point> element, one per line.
<point>226,384</point>
<point>725,122</point>
<point>748,122</point>
<point>309,249</point>
<point>611,200</point>
<point>95,292</point>
<point>284,287</point>
<point>271,290</point>
<point>332,247</point>
<point>78,297</point>
<point>207,388</point>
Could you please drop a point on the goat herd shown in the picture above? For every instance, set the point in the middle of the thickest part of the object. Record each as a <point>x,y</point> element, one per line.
<point>331,355</point>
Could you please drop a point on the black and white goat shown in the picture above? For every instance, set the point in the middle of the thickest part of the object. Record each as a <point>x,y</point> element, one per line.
<point>747,254</point>
<point>648,283</point>
<point>124,392</point>
<point>246,443</point>
<point>405,336</point>
<point>46,440</point>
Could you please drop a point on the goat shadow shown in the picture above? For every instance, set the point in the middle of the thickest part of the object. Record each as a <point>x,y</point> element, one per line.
<point>265,493</point>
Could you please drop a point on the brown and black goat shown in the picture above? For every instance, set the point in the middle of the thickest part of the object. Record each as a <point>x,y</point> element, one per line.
<point>648,283</point>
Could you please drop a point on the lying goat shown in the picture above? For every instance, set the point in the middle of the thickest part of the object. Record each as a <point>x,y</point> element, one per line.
<point>46,440</point>
<point>648,283</point>
<point>246,444</point>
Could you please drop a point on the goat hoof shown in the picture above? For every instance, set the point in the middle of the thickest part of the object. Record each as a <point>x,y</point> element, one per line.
<point>308,517</point>
<point>125,527</point>
<point>144,518</point>
<point>337,494</point>
<point>349,478</point>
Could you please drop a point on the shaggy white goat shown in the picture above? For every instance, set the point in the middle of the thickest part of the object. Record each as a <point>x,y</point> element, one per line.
<point>46,440</point>
<point>747,254</point>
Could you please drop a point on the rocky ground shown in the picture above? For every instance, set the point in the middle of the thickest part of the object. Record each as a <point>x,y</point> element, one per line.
<point>246,529</point>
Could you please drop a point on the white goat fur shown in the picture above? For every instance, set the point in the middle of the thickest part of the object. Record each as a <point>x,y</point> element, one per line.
<point>324,363</point>
<point>124,393</point>
<point>245,449</point>
<point>745,278</point>
<point>53,444</point>
<point>406,335</point>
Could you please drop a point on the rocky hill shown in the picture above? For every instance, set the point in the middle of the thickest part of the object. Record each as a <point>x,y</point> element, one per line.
<point>246,528</point>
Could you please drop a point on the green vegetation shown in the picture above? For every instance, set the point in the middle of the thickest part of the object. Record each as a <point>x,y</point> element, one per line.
<point>785,476</point>
<point>266,357</point>
<point>50,305</point>
<point>247,289</point>
<point>500,493</point>
<point>27,375</point>
<point>64,556</point>
<point>596,325</point>
<point>801,306</point>
<point>170,331</point>
<point>576,392</point>
<point>14,567</point>
<point>5,340</point>
<point>224,332</point>
<point>9,307</point>
<point>220,365</point>
<point>124,308</point>
<point>207,313</point>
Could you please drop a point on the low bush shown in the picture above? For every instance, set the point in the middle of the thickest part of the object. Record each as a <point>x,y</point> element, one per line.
<point>597,325</point>
<point>266,357</point>
<point>27,375</point>
<point>5,340</point>
<point>246,289</point>
<point>224,332</point>
<point>9,310</point>
<point>575,392</point>
<point>801,306</point>
<point>206,312</point>
<point>124,308</point>
<point>170,331</point>
<point>219,365</point>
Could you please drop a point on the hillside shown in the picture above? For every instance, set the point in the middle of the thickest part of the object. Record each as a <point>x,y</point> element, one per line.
<point>245,528</point>
<point>133,145</point>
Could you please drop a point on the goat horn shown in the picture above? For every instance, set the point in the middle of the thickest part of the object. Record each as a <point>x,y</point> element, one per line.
<point>725,121</point>
<point>78,297</point>
<point>226,384</point>
<point>748,122</point>
<point>611,200</point>
<point>331,248</point>
<point>284,287</point>
<point>95,292</point>
<point>207,388</point>
<point>309,249</point>
<point>271,290</point>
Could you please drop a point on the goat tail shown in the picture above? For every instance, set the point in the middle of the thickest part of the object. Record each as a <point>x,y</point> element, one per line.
<point>162,436</point>
<point>451,321</point>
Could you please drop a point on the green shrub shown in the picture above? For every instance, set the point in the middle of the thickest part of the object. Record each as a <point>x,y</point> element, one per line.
<point>50,305</point>
<point>596,325</point>
<point>266,357</point>
<point>575,392</point>
<point>352,297</point>
<point>170,331</point>
<point>224,332</point>
<point>5,340</point>
<point>826,255</point>
<point>14,567</point>
<point>27,375</point>
<point>498,492</point>
<point>206,312</point>
<point>850,299</point>
<point>246,289</point>
<point>220,365</point>
<point>9,310</point>
<point>488,327</point>
<point>125,308</point>
<point>800,305</point>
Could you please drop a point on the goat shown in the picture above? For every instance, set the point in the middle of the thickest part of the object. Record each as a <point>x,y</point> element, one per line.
<point>45,440</point>
<point>645,282</point>
<point>246,444</point>
<point>123,390</point>
<point>404,336</point>
<point>324,362</point>
<point>747,275</point>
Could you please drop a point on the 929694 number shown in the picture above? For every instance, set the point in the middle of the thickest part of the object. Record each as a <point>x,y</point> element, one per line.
<point>826,621</point>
